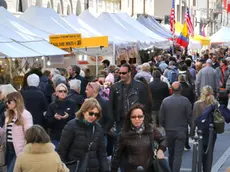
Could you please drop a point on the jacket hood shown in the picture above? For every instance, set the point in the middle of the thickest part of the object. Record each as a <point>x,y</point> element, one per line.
<point>39,148</point>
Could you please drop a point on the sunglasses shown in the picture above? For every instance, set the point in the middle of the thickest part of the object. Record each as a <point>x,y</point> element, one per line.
<point>94,114</point>
<point>62,91</point>
<point>138,116</point>
<point>123,73</point>
<point>9,101</point>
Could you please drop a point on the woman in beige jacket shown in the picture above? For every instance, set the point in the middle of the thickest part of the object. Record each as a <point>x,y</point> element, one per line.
<point>38,154</point>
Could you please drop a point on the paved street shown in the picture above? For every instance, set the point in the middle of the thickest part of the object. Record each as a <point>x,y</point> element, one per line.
<point>221,154</point>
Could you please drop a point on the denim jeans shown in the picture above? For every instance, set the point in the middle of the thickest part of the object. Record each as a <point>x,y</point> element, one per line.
<point>10,157</point>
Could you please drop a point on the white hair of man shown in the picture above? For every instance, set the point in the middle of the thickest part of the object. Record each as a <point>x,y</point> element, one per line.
<point>55,72</point>
<point>75,84</point>
<point>33,80</point>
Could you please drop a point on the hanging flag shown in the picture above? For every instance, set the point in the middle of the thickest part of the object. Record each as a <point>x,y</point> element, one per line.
<point>202,32</point>
<point>188,22</point>
<point>172,18</point>
<point>183,38</point>
<point>227,5</point>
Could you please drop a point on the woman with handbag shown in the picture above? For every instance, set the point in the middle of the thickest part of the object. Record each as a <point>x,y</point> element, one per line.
<point>37,149</point>
<point>82,145</point>
<point>17,121</point>
<point>135,142</point>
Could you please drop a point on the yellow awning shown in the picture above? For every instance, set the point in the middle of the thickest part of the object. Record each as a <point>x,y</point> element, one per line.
<point>203,40</point>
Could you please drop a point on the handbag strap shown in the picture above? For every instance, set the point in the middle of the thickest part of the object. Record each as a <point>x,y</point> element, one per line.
<point>153,145</point>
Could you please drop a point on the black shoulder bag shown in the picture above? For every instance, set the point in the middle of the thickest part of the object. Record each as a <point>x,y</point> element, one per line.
<point>81,165</point>
<point>158,165</point>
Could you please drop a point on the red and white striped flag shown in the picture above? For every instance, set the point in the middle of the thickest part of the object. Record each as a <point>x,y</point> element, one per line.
<point>189,22</point>
<point>172,18</point>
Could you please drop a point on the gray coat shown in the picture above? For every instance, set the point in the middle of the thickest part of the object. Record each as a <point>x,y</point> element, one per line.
<point>175,113</point>
<point>207,76</point>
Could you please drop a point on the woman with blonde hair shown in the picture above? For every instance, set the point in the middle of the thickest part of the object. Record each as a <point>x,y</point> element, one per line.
<point>17,121</point>
<point>59,113</point>
<point>38,147</point>
<point>206,100</point>
<point>82,145</point>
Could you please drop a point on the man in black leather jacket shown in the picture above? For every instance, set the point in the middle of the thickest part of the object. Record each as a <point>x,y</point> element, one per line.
<point>126,93</point>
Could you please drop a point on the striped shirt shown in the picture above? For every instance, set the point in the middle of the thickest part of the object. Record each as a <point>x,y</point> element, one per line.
<point>9,130</point>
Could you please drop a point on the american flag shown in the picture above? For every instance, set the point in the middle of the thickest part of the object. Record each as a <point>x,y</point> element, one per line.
<point>172,18</point>
<point>189,22</point>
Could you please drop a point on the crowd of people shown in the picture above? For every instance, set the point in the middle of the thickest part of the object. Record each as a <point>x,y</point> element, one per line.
<point>68,120</point>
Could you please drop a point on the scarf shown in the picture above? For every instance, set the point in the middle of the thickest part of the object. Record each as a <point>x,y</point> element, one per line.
<point>87,123</point>
<point>138,130</point>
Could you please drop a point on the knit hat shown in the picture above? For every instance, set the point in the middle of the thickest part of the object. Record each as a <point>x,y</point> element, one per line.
<point>109,78</point>
<point>33,80</point>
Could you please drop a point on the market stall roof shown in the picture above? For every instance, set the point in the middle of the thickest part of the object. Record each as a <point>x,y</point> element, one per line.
<point>105,28</point>
<point>9,48</point>
<point>154,26</point>
<point>89,27</point>
<point>9,20</point>
<point>221,36</point>
<point>137,25</point>
<point>46,19</point>
<point>124,28</point>
<point>26,35</point>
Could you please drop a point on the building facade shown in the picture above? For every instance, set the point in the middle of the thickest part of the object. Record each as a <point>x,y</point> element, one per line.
<point>65,7</point>
<point>208,13</point>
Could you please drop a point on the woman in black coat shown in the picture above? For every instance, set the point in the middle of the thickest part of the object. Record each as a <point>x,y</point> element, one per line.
<point>135,142</point>
<point>59,113</point>
<point>83,136</point>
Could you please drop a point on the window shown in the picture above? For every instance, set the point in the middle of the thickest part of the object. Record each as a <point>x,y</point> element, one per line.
<point>194,2</point>
<point>20,9</point>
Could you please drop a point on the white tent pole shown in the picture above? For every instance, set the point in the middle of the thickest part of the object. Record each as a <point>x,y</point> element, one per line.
<point>44,63</point>
<point>96,65</point>
<point>114,54</point>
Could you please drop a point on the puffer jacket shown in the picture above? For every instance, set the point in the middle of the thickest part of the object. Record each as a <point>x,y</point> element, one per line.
<point>137,149</point>
<point>74,142</point>
<point>39,157</point>
<point>59,107</point>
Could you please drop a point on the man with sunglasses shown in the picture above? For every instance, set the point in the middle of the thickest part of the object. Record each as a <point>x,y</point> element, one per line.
<point>106,121</point>
<point>126,93</point>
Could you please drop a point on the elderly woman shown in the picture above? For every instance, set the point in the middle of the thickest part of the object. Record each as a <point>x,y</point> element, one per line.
<point>59,113</point>
<point>83,138</point>
<point>135,142</point>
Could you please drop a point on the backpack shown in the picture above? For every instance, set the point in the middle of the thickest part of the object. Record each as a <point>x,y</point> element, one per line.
<point>173,75</point>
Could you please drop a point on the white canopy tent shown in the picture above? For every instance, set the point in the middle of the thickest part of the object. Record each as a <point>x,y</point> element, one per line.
<point>154,26</point>
<point>221,36</point>
<point>24,34</point>
<point>9,48</point>
<point>47,20</point>
<point>131,24</point>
